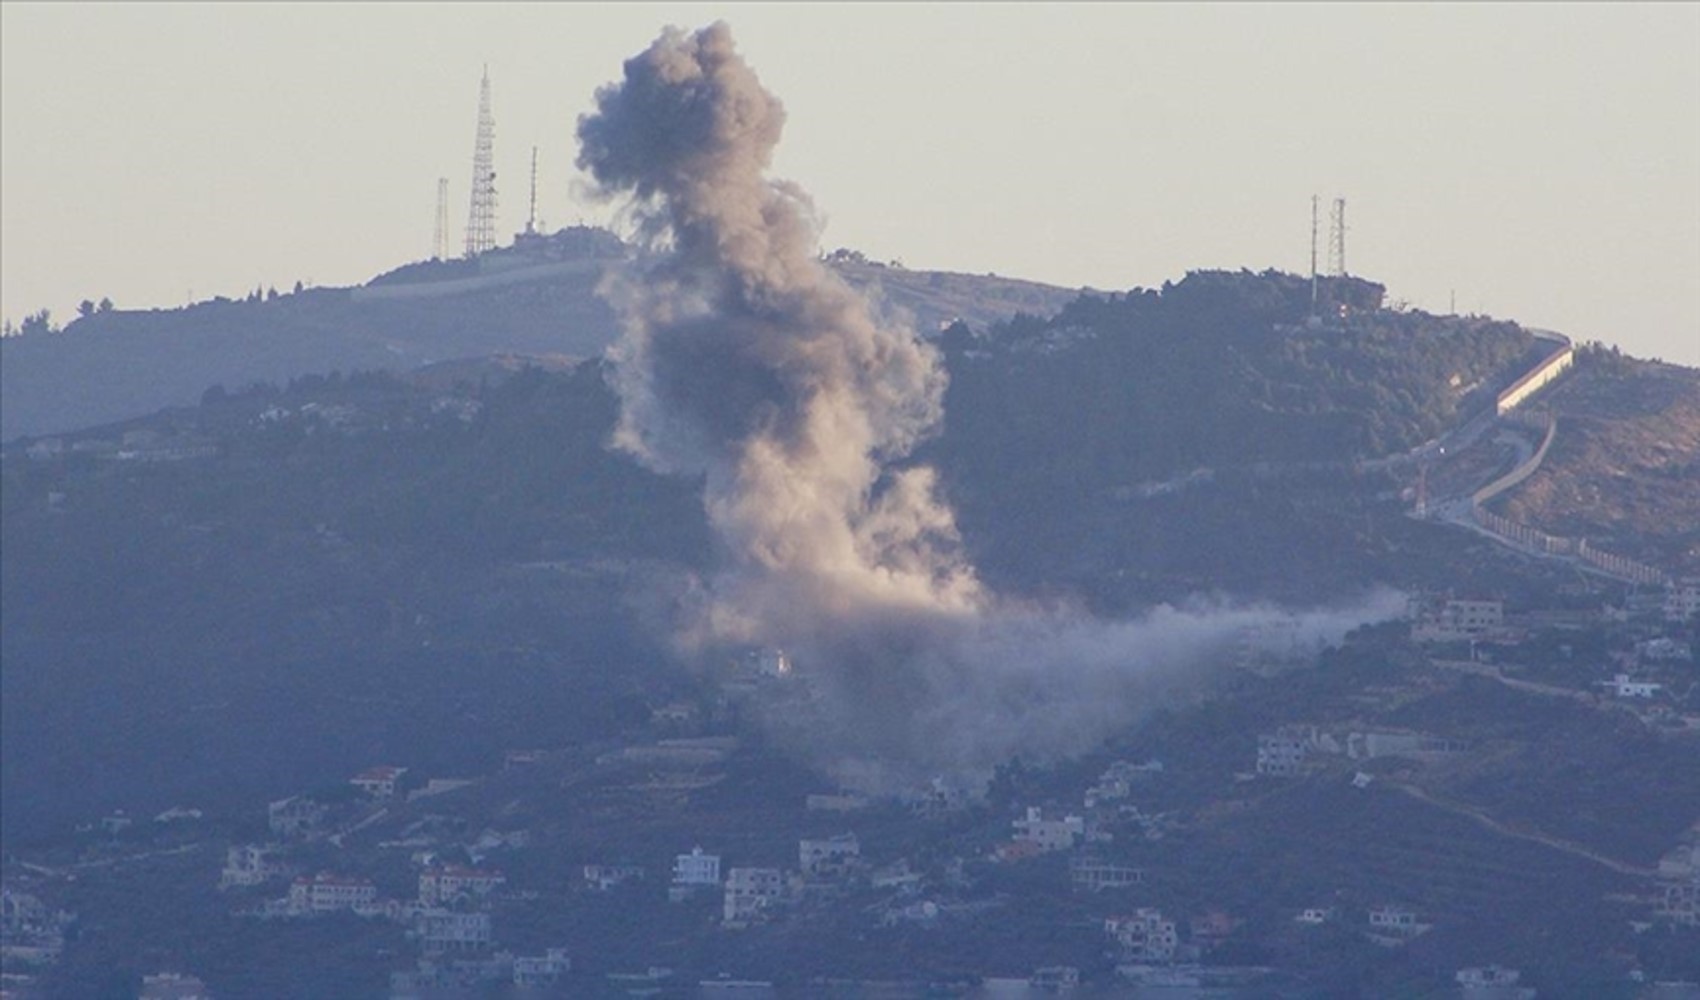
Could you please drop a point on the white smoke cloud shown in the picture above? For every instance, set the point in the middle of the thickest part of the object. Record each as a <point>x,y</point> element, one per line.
<point>746,361</point>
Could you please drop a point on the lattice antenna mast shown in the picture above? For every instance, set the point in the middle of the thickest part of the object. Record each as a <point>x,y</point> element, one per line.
<point>531,219</point>
<point>440,239</point>
<point>481,223</point>
<point>1313,210</point>
<point>1337,239</point>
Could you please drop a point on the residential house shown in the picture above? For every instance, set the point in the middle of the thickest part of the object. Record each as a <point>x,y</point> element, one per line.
<point>603,878</point>
<point>1056,979</point>
<point>1458,621</point>
<point>173,986</point>
<point>829,858</point>
<point>1394,925</point>
<point>1623,686</point>
<point>248,864</point>
<point>750,893</point>
<point>1143,937</point>
<point>1281,754</point>
<point>1049,834</point>
<point>445,884</point>
<point>1093,875</point>
<point>541,971</point>
<point>327,892</point>
<point>1491,982</point>
<point>1663,648</point>
<point>1316,915</point>
<point>440,929</point>
<point>693,873</point>
<point>378,782</point>
<point>1682,600</point>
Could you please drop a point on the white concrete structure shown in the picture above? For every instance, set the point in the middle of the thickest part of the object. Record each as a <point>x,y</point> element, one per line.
<point>1144,937</point>
<point>327,892</point>
<point>605,877</point>
<point>378,782</point>
<point>750,892</point>
<point>536,971</point>
<point>1049,834</point>
<point>1093,876</point>
<point>693,873</point>
<point>833,856</point>
<point>1682,600</point>
<point>1459,621</point>
<point>1281,754</point>
<point>248,864</point>
<point>450,930</point>
<point>1623,687</point>
<point>448,883</point>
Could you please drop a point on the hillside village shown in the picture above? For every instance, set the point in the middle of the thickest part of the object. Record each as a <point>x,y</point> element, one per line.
<point>458,880</point>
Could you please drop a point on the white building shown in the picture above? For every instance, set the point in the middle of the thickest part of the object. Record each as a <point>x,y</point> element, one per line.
<point>1682,600</point>
<point>327,892</point>
<point>1093,875</point>
<point>1491,982</point>
<point>248,864</point>
<point>833,856</point>
<point>602,878</point>
<point>1049,834</point>
<point>1316,915</point>
<point>536,971</point>
<point>448,883</point>
<point>451,930</point>
<point>378,782</point>
<point>1457,621</point>
<point>750,892</point>
<point>1144,937</point>
<point>1281,754</point>
<point>1623,687</point>
<point>1389,924</point>
<point>693,873</point>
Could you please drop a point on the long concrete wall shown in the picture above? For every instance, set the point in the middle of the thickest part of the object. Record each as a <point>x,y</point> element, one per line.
<point>1551,367</point>
<point>1522,472</point>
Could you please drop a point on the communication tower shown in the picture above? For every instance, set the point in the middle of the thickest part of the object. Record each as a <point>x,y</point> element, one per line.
<point>481,223</point>
<point>1313,211</point>
<point>531,218</point>
<point>1337,239</point>
<point>440,240</point>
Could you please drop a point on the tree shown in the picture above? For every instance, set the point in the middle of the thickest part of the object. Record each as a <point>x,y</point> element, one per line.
<point>38,322</point>
<point>85,308</point>
<point>105,305</point>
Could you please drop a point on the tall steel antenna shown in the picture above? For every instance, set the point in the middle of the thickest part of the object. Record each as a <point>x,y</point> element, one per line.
<point>440,240</point>
<point>1313,210</point>
<point>531,219</point>
<point>481,223</point>
<point>1337,239</point>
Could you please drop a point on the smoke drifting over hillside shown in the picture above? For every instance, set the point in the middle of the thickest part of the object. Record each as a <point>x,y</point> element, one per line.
<point>747,362</point>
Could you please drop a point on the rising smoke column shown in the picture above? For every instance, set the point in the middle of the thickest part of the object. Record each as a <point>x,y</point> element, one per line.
<point>746,361</point>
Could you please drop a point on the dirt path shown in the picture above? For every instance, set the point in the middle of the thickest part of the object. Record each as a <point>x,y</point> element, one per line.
<point>1482,818</point>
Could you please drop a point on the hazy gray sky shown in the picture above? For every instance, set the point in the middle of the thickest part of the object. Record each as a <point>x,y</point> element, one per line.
<point>1541,160</point>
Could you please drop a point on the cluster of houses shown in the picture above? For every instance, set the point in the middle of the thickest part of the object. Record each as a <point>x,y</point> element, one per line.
<point>31,933</point>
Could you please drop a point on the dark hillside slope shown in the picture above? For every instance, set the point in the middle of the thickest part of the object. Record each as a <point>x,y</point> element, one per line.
<point>217,604</point>
<point>538,300</point>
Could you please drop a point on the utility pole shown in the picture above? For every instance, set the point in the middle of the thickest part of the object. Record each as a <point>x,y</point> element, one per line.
<point>1313,210</point>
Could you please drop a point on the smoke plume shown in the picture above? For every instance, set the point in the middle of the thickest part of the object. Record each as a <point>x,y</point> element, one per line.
<point>745,361</point>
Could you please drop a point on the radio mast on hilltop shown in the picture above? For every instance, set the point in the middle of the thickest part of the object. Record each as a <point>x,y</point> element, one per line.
<point>1313,208</point>
<point>481,223</point>
<point>1337,239</point>
<point>440,239</point>
<point>531,218</point>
